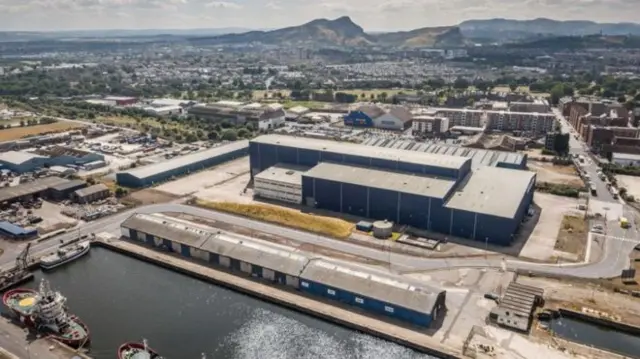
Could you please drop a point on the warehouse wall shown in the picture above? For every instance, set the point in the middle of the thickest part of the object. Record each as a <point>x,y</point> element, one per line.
<point>129,180</point>
<point>366,303</point>
<point>264,156</point>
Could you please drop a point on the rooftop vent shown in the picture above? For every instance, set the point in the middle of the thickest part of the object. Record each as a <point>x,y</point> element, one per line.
<point>289,172</point>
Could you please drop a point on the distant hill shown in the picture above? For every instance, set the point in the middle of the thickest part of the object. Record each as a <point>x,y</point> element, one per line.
<point>341,32</point>
<point>581,42</point>
<point>505,29</point>
<point>424,37</point>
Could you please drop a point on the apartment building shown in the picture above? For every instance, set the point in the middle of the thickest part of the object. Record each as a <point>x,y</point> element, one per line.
<point>537,106</point>
<point>461,117</point>
<point>429,125</point>
<point>598,137</point>
<point>536,123</point>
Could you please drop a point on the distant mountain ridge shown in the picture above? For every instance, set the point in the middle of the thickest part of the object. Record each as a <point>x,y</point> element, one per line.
<point>341,32</point>
<point>507,29</point>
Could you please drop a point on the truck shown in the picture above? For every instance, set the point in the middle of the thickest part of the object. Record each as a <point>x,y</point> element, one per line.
<point>624,222</point>
<point>614,193</point>
<point>594,190</point>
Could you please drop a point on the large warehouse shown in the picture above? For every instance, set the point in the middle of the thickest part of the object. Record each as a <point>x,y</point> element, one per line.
<point>426,191</point>
<point>387,295</point>
<point>178,166</point>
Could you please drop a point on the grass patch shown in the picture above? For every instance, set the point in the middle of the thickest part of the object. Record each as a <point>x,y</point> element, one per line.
<point>572,236</point>
<point>15,133</point>
<point>327,226</point>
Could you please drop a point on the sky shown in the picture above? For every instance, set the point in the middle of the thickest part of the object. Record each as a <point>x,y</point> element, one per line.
<point>372,15</point>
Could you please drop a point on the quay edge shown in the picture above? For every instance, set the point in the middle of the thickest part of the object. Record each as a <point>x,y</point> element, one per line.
<point>318,309</point>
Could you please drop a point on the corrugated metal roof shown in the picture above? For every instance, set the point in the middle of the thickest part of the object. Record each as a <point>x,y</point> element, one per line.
<point>15,230</point>
<point>404,182</point>
<point>478,157</point>
<point>167,229</point>
<point>96,188</point>
<point>24,189</point>
<point>18,157</point>
<point>389,289</point>
<point>182,161</point>
<point>492,190</point>
<point>346,148</point>
<point>68,185</point>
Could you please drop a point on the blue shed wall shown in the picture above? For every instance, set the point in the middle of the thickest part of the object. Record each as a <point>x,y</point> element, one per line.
<point>354,199</point>
<point>358,118</point>
<point>368,304</point>
<point>415,211</point>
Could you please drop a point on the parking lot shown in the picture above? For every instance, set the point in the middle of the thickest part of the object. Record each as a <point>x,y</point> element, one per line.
<point>540,244</point>
<point>225,181</point>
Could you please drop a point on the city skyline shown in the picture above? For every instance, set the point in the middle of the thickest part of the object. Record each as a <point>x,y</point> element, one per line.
<point>372,15</point>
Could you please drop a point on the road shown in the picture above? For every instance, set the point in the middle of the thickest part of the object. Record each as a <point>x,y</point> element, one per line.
<point>614,259</point>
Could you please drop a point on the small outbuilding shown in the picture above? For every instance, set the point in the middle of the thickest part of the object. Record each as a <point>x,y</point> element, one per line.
<point>10,230</point>
<point>90,194</point>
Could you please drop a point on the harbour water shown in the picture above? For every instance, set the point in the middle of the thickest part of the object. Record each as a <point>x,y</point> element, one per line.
<point>122,299</point>
<point>596,336</point>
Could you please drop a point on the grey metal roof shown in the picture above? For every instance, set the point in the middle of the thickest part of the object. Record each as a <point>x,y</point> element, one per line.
<point>166,229</point>
<point>96,188</point>
<point>182,161</point>
<point>492,190</point>
<point>345,148</point>
<point>479,157</point>
<point>18,157</point>
<point>404,182</point>
<point>39,185</point>
<point>285,173</point>
<point>388,289</point>
<point>520,299</point>
<point>68,185</point>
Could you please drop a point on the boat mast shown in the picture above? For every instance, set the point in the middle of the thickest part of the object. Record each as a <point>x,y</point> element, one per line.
<point>144,343</point>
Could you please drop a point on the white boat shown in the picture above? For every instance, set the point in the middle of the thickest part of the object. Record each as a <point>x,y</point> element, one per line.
<point>65,255</point>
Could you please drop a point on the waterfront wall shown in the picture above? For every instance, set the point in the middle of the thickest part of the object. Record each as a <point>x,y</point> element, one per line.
<point>608,323</point>
<point>416,340</point>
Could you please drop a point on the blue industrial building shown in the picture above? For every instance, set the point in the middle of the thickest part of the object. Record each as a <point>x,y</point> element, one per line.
<point>178,166</point>
<point>10,230</point>
<point>22,161</point>
<point>432,192</point>
<point>386,295</point>
<point>358,119</point>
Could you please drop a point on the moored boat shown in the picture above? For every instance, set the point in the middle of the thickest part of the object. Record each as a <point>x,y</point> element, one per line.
<point>45,311</point>
<point>21,302</point>
<point>134,350</point>
<point>65,255</point>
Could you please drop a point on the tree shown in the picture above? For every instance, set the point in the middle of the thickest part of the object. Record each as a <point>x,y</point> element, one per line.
<point>461,84</point>
<point>513,86</point>
<point>22,123</point>
<point>229,135</point>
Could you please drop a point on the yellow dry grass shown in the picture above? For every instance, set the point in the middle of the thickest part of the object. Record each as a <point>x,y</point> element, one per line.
<point>15,133</point>
<point>327,226</point>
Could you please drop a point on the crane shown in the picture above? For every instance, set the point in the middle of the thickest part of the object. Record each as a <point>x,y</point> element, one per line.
<point>21,260</point>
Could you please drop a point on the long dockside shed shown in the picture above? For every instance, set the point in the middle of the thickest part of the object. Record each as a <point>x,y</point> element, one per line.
<point>158,172</point>
<point>386,295</point>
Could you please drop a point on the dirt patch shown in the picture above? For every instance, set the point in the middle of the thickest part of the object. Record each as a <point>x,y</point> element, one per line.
<point>572,236</point>
<point>15,133</point>
<point>547,172</point>
<point>332,227</point>
<point>148,196</point>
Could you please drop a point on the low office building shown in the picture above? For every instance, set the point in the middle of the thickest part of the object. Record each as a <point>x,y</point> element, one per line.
<point>386,295</point>
<point>90,194</point>
<point>263,117</point>
<point>280,182</point>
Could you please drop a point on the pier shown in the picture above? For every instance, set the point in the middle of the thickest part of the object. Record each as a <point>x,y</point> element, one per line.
<point>413,339</point>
